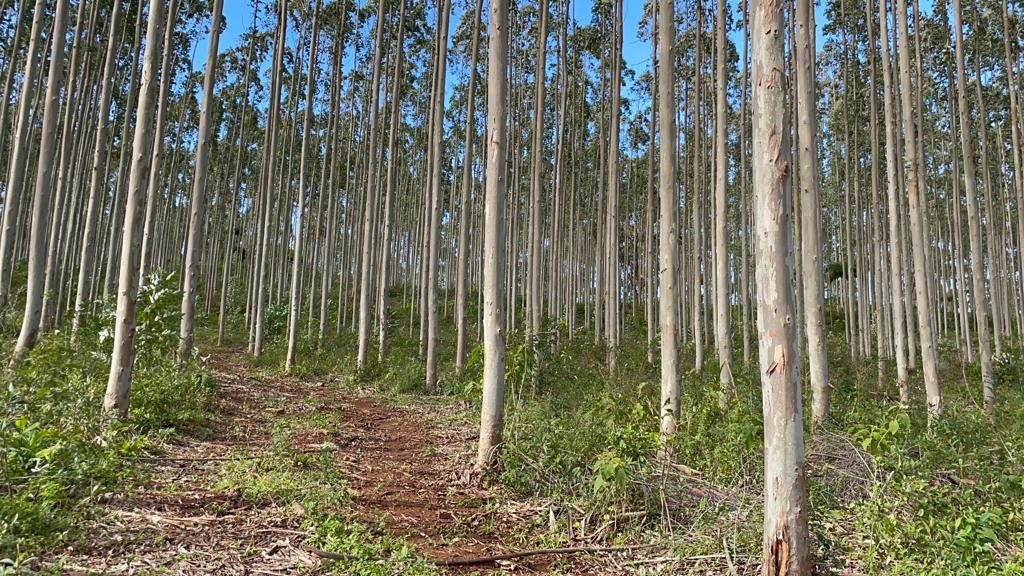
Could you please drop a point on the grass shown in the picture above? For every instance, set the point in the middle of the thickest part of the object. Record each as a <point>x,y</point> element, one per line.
<point>890,492</point>
<point>59,454</point>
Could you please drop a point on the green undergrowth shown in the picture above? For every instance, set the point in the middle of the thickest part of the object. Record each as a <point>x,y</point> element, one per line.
<point>890,492</point>
<point>59,454</point>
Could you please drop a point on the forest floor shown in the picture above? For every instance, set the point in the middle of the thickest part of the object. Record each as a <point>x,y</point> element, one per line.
<point>289,465</point>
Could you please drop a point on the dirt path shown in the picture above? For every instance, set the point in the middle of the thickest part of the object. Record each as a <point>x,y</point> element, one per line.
<point>228,499</point>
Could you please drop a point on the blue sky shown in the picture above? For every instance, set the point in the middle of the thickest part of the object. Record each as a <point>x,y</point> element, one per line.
<point>636,52</point>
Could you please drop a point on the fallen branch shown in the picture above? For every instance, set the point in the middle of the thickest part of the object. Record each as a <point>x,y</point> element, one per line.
<point>487,559</point>
<point>538,552</point>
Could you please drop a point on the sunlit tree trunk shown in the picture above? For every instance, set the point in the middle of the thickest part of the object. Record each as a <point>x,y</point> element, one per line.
<point>786,546</point>
<point>538,166</point>
<point>115,399</point>
<point>467,184</point>
<point>434,231</point>
<point>492,406</point>
<point>893,174</point>
<point>19,152</point>
<point>197,209</point>
<point>44,177</point>
<point>370,205</point>
<point>917,224</point>
<point>980,300</point>
<point>723,331</point>
<point>97,172</point>
<point>668,227</point>
<point>810,210</point>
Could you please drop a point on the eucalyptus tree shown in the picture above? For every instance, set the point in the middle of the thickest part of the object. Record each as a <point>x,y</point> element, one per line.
<point>538,168</point>
<point>19,151</point>
<point>980,300</point>
<point>434,191</point>
<point>467,184</point>
<point>197,208</point>
<point>297,254</point>
<point>723,319</point>
<point>893,186</point>
<point>97,171</point>
<point>260,270</point>
<point>371,201</point>
<point>786,542</point>
<point>916,205</point>
<point>44,179</point>
<point>115,399</point>
<point>492,406</point>
<point>810,249</point>
<point>611,265</point>
<point>668,229</point>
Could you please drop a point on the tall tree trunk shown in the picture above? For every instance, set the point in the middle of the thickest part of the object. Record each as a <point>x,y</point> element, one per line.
<point>786,546</point>
<point>370,206</point>
<point>97,172</point>
<point>434,231</point>
<point>197,210</point>
<point>668,226</point>
<point>537,168</point>
<point>973,218</point>
<point>893,174</point>
<point>611,272</point>
<point>44,177</point>
<point>19,152</point>
<point>492,406</point>
<point>122,360</point>
<point>467,184</point>
<point>723,331</point>
<point>307,121</point>
<point>917,224</point>
<point>810,210</point>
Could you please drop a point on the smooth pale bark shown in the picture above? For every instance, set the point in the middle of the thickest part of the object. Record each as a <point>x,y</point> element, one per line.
<point>611,270</point>
<point>467,185</point>
<point>97,172</point>
<point>19,153</point>
<point>389,191</point>
<point>11,64</point>
<point>537,168</point>
<point>122,361</point>
<point>893,174</point>
<point>650,260</point>
<point>917,225</point>
<point>235,184</point>
<point>197,212</point>
<point>668,226</point>
<point>41,196</point>
<point>744,202</point>
<point>74,106</point>
<point>434,232</point>
<point>980,301</point>
<point>786,545</point>
<point>492,407</point>
<point>371,202</point>
<point>123,167</point>
<point>696,255</point>
<point>166,80</point>
<point>723,332</point>
<point>810,210</point>
<point>266,183</point>
<point>300,217</point>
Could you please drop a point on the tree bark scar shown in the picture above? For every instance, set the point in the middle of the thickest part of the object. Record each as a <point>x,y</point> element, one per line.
<point>778,559</point>
<point>769,7</point>
<point>778,363</point>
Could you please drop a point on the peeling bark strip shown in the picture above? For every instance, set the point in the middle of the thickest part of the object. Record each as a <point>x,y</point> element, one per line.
<point>785,544</point>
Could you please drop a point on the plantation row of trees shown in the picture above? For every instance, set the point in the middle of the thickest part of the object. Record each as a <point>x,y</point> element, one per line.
<point>506,169</point>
